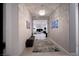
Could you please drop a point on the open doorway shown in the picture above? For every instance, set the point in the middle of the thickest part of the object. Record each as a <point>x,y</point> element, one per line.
<point>40,29</point>
<point>58,27</point>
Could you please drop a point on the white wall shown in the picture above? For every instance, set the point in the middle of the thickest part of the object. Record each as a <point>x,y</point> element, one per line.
<point>12,44</point>
<point>61,34</point>
<point>16,31</point>
<point>24,33</point>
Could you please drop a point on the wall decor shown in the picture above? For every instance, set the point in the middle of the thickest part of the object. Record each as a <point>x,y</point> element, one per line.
<point>27,25</point>
<point>54,24</point>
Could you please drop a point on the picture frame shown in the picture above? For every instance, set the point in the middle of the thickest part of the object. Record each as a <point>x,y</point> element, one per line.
<point>54,24</point>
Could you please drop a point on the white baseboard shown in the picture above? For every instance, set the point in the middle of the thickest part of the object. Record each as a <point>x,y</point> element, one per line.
<point>60,47</point>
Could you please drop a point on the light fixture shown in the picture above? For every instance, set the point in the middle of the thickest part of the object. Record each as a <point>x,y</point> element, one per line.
<point>42,12</point>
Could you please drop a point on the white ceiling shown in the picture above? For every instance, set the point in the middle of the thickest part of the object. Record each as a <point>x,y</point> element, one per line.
<point>35,7</point>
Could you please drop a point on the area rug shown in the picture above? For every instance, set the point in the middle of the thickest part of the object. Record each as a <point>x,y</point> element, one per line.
<point>45,46</point>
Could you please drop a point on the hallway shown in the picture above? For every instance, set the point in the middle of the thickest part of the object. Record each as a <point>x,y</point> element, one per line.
<point>52,25</point>
<point>51,17</point>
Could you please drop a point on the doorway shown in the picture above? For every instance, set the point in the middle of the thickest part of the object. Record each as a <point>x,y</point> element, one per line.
<point>40,29</point>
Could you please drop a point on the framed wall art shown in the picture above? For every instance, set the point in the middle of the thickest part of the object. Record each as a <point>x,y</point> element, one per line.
<point>54,24</point>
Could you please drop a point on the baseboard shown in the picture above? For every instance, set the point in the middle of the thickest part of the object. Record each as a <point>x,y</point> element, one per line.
<point>60,47</point>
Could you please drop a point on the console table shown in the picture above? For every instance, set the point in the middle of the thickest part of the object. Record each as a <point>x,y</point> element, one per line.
<point>29,42</point>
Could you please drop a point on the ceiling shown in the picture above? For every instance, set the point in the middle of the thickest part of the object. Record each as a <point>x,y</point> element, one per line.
<point>35,7</point>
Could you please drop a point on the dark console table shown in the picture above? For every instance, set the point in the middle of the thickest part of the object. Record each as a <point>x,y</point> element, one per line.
<point>29,42</point>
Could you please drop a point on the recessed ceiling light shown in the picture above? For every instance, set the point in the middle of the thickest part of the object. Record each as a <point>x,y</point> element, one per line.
<point>41,12</point>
